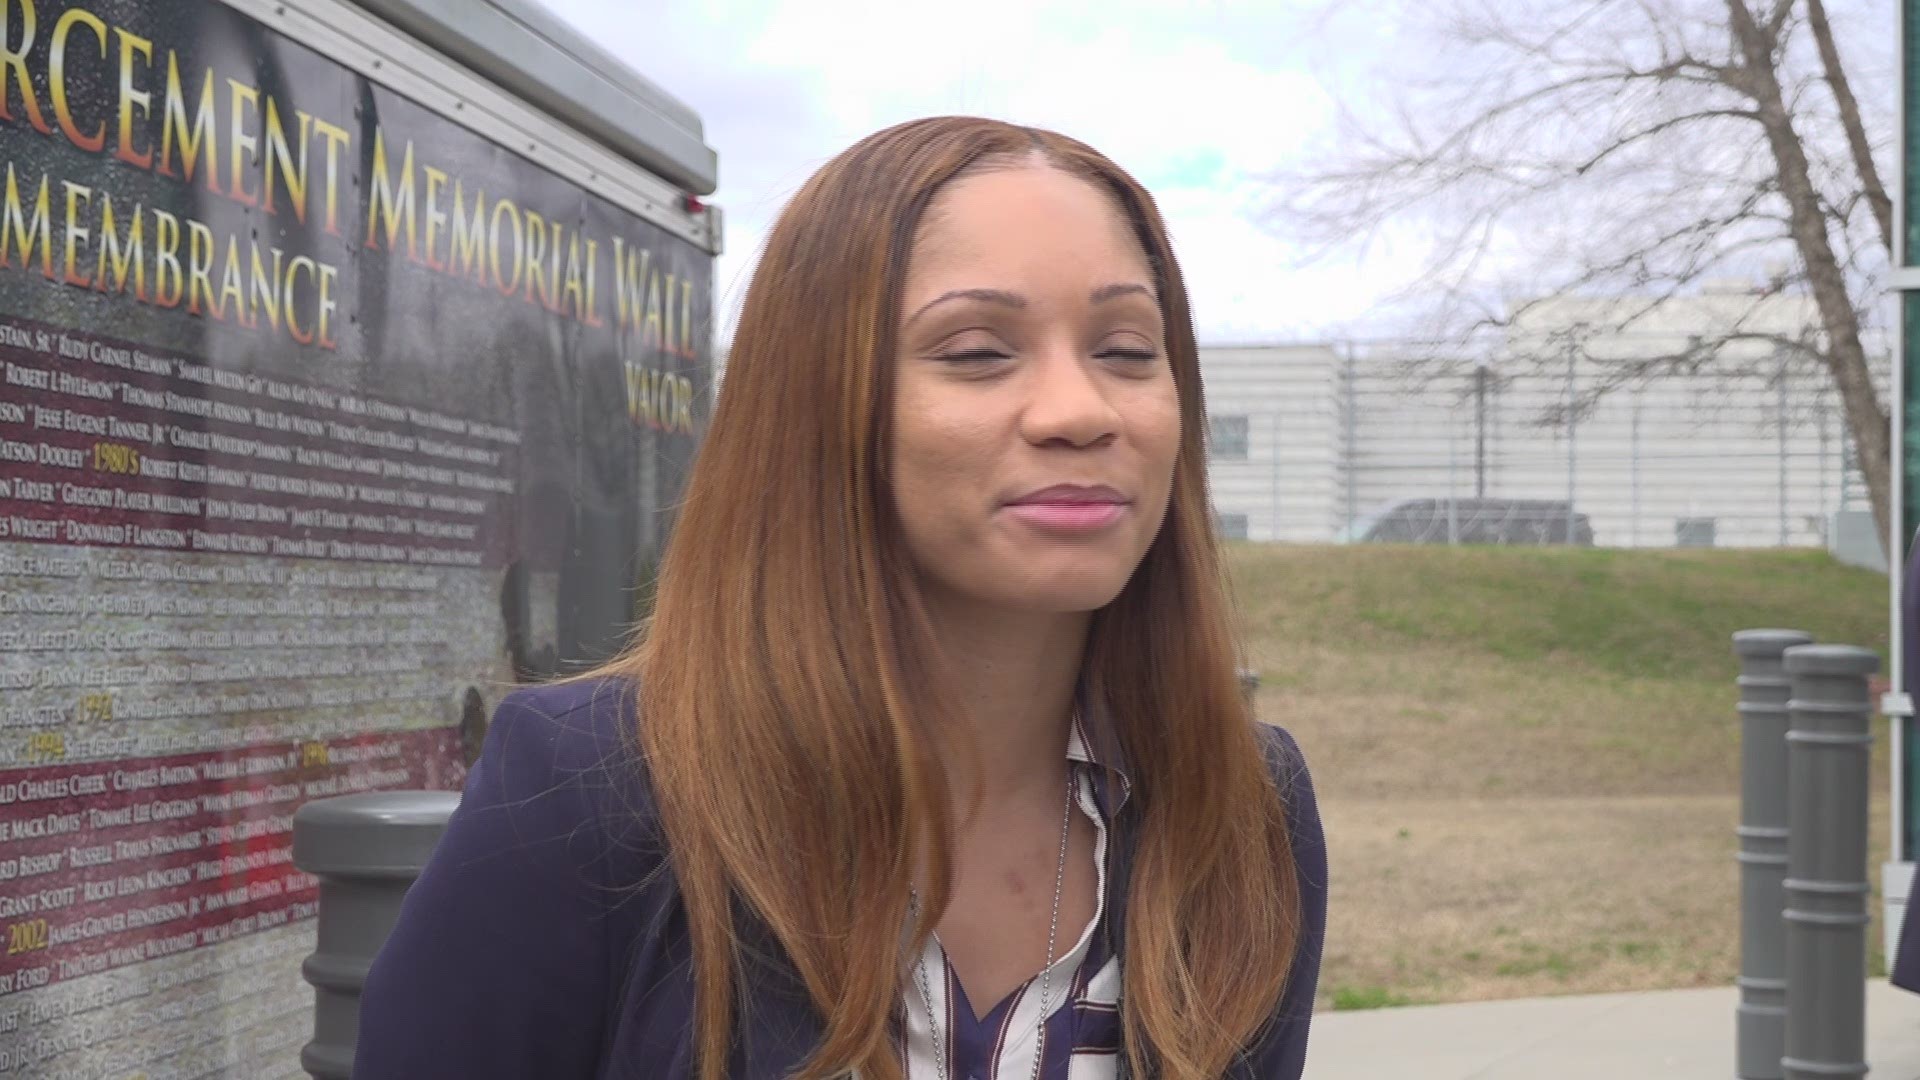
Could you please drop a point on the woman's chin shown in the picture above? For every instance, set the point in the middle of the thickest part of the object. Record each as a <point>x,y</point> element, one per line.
<point>1076,595</point>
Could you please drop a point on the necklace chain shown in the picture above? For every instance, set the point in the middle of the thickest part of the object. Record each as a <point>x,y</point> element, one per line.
<point>940,1049</point>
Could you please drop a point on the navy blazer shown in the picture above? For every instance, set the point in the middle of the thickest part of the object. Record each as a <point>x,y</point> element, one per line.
<point>545,937</point>
<point>1906,956</point>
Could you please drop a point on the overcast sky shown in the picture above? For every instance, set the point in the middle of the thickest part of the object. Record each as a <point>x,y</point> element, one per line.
<point>1198,100</point>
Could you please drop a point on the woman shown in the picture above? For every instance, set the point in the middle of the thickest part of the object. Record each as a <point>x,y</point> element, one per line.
<point>931,761</point>
<point>1906,953</point>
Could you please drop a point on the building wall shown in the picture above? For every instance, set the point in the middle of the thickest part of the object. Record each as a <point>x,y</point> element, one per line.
<point>1288,485</point>
<point>1754,440</point>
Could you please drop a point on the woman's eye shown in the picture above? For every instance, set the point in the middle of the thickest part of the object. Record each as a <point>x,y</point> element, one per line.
<point>1129,354</point>
<point>975,356</point>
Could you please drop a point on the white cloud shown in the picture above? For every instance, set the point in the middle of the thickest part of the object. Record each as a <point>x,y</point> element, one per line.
<point>1196,100</point>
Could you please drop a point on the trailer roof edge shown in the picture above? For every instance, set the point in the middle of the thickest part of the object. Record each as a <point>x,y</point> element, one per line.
<point>527,49</point>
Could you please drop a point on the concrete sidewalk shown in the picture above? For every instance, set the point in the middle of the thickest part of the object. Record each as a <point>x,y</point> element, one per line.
<point>1663,1035</point>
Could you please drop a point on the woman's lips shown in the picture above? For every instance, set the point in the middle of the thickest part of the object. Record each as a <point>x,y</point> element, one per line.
<point>1068,517</point>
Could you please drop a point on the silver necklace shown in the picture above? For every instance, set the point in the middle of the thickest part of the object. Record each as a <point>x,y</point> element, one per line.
<point>1046,973</point>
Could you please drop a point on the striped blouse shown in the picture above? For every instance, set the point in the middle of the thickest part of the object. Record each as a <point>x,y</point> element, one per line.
<point>1083,1025</point>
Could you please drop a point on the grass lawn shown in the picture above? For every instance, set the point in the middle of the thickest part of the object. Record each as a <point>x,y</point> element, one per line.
<point>1528,758</point>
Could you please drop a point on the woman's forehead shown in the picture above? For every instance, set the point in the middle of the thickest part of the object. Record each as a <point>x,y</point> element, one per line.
<point>1023,217</point>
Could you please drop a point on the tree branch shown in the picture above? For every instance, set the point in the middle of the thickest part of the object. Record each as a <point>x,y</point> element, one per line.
<point>1562,159</point>
<point>1871,187</point>
<point>1624,141</point>
<point>1777,21</point>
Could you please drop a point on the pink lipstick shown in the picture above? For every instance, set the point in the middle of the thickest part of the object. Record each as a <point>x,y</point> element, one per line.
<point>1069,508</point>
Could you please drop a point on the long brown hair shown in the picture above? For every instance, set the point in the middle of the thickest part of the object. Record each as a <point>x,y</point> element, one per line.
<point>789,684</point>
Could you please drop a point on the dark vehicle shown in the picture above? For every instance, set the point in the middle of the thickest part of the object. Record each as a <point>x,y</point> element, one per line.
<point>1471,521</point>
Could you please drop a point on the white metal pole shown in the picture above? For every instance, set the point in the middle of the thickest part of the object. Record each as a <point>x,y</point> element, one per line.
<point>1573,457</point>
<point>1826,508</point>
<point>1896,540</point>
<point>1274,451</point>
<point>1353,421</point>
<point>1633,466</point>
<point>1780,419</point>
<point>1453,488</point>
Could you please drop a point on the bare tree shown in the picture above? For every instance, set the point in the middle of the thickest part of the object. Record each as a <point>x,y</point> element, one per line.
<point>1629,149</point>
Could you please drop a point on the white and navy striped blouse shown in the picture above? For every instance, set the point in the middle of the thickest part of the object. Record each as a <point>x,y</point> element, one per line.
<point>1083,1030</point>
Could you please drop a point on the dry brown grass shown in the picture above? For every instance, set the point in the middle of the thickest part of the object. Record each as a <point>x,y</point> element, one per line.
<point>1468,899</point>
<point>1521,794</point>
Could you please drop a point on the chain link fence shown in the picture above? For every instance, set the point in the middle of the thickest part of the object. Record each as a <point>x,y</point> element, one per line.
<point>1330,443</point>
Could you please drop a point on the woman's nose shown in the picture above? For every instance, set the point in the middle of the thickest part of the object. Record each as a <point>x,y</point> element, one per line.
<point>1067,403</point>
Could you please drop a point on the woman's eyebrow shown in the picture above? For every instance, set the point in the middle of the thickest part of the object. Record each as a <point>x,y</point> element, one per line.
<point>1118,289</point>
<point>991,296</point>
<point>1014,300</point>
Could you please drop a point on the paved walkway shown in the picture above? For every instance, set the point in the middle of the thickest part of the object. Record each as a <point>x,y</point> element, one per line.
<point>1665,1035</point>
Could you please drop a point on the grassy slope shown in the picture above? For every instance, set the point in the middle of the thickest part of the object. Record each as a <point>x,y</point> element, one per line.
<point>1528,758</point>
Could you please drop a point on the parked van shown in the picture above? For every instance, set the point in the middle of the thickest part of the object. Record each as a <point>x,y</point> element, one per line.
<point>1472,521</point>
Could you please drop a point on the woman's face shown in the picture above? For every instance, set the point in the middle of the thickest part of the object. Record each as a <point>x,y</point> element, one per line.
<point>1036,420</point>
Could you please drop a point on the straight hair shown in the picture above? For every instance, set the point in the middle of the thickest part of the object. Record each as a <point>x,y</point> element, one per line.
<point>791,714</point>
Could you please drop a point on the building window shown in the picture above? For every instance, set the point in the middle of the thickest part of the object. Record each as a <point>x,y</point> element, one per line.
<point>1232,526</point>
<point>1227,437</point>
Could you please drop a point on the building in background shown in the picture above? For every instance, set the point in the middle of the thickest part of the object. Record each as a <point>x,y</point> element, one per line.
<point>1744,445</point>
<point>1279,439</point>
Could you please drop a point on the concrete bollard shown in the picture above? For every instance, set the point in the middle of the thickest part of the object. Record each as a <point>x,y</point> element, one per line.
<point>1761,1018</point>
<point>366,849</point>
<point>1829,741</point>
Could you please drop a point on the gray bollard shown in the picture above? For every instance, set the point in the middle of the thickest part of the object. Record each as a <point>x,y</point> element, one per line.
<point>1828,745</point>
<point>1761,1018</point>
<point>366,850</point>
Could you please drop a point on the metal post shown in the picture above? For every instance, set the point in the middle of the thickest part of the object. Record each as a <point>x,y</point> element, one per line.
<point>1480,429</point>
<point>1453,491</point>
<point>1276,478</point>
<point>1846,488</point>
<point>1353,420</point>
<point>366,849</point>
<point>1573,428</point>
<point>1633,534</point>
<point>1898,535</point>
<point>1761,1019</point>
<point>1828,746</point>
<point>1826,511</point>
<point>1781,419</point>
